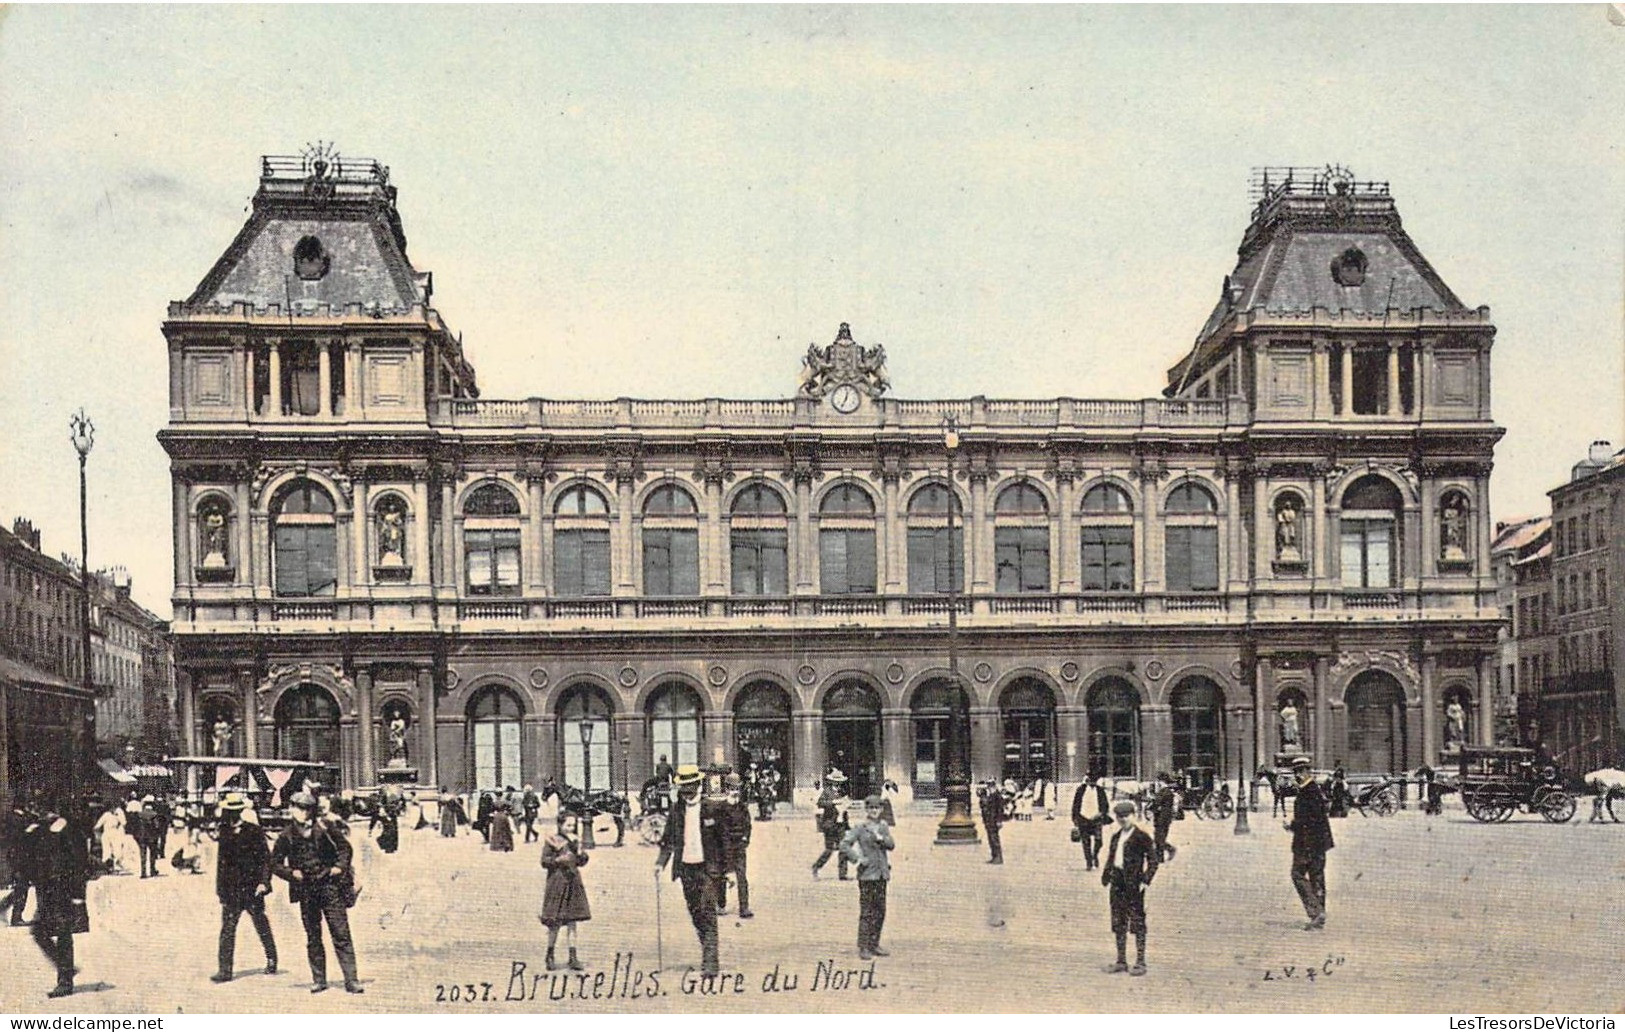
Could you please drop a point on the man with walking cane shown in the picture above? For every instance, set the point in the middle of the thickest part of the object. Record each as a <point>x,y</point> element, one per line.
<point>694,844</point>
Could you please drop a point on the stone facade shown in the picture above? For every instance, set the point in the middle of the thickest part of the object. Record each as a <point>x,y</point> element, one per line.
<point>576,588</point>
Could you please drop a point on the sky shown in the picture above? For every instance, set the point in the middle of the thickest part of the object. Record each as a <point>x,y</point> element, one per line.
<point>675,201</point>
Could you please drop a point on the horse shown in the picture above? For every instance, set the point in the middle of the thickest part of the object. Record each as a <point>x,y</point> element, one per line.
<point>1607,785</point>
<point>585,806</point>
<point>1282,788</point>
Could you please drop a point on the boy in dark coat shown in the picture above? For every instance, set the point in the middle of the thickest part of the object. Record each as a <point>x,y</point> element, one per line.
<point>1311,839</point>
<point>1130,864</point>
<point>868,844</point>
<point>242,880</point>
<point>693,842</point>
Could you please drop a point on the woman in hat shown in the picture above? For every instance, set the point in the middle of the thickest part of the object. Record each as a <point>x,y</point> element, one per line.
<point>564,901</point>
<point>451,814</point>
<point>501,829</point>
<point>832,823</point>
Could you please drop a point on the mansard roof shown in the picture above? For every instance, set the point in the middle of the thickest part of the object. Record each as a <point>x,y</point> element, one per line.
<point>324,235</point>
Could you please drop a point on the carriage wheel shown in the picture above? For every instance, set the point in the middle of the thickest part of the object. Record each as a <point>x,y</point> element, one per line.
<point>654,827</point>
<point>1487,804</point>
<point>1556,806</point>
<point>1385,803</point>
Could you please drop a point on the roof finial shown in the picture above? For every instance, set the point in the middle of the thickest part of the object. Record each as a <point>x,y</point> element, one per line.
<point>845,332</point>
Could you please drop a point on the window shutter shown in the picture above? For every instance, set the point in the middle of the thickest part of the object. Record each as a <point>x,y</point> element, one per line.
<point>567,563</point>
<point>657,562</point>
<point>290,561</point>
<point>507,559</point>
<point>922,560</point>
<point>775,563</point>
<point>1094,559</point>
<point>1177,546</point>
<point>595,562</point>
<point>1035,559</point>
<point>860,561</point>
<point>1119,559</point>
<point>1352,554</point>
<point>833,578</point>
<point>1204,558</point>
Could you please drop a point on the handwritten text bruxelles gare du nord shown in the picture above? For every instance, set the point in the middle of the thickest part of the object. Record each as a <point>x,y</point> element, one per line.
<point>528,983</point>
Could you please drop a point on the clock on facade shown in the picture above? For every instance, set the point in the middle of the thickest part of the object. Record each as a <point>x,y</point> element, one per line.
<point>846,398</point>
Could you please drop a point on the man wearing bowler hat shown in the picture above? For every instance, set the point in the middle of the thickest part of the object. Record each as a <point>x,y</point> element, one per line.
<point>1311,829</point>
<point>695,845</point>
<point>315,862</point>
<point>242,880</point>
<point>1130,864</point>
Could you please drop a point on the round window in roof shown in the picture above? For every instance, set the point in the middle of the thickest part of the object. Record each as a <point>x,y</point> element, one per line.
<point>310,259</point>
<point>1348,268</point>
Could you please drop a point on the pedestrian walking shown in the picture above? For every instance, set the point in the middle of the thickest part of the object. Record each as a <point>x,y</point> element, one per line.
<point>500,831</point>
<point>390,807</point>
<point>736,829</point>
<point>242,880</point>
<point>150,832</point>
<point>869,844</point>
<point>316,863</point>
<point>1163,804</point>
<point>694,845</point>
<point>832,823</point>
<point>482,815</point>
<point>992,801</point>
<point>888,789</point>
<point>60,871</point>
<point>564,900</point>
<point>20,827</point>
<point>1089,816</point>
<point>1131,863</point>
<point>451,814</point>
<point>530,807</point>
<point>1311,839</point>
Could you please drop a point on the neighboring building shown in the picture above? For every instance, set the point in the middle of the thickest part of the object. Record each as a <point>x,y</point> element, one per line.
<point>47,715</point>
<point>1514,542</point>
<point>1532,624</point>
<point>1580,707</point>
<point>133,669</point>
<point>579,587</point>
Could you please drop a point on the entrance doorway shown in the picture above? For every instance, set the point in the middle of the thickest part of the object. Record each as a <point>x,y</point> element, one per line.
<point>1027,711</point>
<point>940,709</point>
<point>852,735</point>
<point>1114,728</point>
<point>1376,709</point>
<point>307,725</point>
<point>762,734</point>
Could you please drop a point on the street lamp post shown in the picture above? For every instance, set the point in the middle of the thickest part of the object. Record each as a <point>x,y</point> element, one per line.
<point>586,790</point>
<point>626,772</point>
<point>84,437</point>
<point>957,827</point>
<point>1241,788</point>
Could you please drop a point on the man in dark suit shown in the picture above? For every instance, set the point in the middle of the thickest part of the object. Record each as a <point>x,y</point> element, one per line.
<point>694,843</point>
<point>1311,830</point>
<point>242,880</point>
<point>315,861</point>
<point>1090,815</point>
<point>992,802</point>
<point>1162,815</point>
<point>1130,864</point>
<point>61,871</point>
<point>736,825</point>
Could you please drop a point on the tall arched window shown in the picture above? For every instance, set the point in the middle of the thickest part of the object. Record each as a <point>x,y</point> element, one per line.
<point>930,551</point>
<point>846,541</point>
<point>758,536</point>
<point>305,542</point>
<point>584,737</point>
<point>1108,539</point>
<point>491,541</point>
<point>494,716</point>
<point>1027,711</point>
<point>671,543</point>
<point>1197,721</point>
<point>580,543</point>
<point>1114,728</point>
<point>1021,540</point>
<point>1369,533</point>
<point>307,725</point>
<point>674,724</point>
<point>1191,539</point>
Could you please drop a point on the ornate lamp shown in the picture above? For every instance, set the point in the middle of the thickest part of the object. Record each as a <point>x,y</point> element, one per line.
<point>957,827</point>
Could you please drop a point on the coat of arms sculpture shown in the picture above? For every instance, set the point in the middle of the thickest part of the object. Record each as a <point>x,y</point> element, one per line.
<point>826,369</point>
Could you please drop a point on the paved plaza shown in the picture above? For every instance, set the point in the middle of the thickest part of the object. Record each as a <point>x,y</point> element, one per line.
<point>1426,914</point>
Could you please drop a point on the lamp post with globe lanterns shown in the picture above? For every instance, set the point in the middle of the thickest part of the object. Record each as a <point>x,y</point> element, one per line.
<point>83,435</point>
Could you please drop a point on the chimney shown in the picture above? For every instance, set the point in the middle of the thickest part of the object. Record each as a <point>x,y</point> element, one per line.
<point>24,529</point>
<point>1600,452</point>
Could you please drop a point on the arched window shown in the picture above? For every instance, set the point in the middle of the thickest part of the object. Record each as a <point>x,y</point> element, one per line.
<point>1108,539</point>
<point>852,735</point>
<point>935,562</point>
<point>1027,711</point>
<point>491,541</point>
<point>1369,533</point>
<point>1021,540</point>
<point>580,543</point>
<point>758,549</point>
<point>671,543</point>
<point>307,725</point>
<point>214,536</point>
<point>494,716</point>
<point>584,737</point>
<point>305,542</point>
<point>846,541</point>
<point>1114,728</point>
<point>1198,718</point>
<point>674,724</point>
<point>1191,539</point>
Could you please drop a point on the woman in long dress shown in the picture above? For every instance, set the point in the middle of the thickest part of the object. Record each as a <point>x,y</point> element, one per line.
<point>449,809</point>
<point>564,901</point>
<point>501,830</point>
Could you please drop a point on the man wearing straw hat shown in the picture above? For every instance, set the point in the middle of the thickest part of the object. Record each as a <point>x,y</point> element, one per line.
<point>693,842</point>
<point>832,823</point>
<point>242,880</point>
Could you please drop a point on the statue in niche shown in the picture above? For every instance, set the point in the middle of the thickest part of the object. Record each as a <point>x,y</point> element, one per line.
<point>220,737</point>
<point>397,738</point>
<point>1453,530</point>
<point>1455,725</point>
<point>1288,546</point>
<point>391,533</point>
<point>212,536</point>
<point>1291,737</point>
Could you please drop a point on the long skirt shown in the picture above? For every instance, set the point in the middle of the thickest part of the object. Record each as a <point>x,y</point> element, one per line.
<point>501,833</point>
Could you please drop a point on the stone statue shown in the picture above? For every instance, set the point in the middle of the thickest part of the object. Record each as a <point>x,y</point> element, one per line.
<point>397,739</point>
<point>1455,725</point>
<point>1287,548</point>
<point>1289,727</point>
<point>213,535</point>
<point>221,737</point>
<point>391,536</point>
<point>1453,531</point>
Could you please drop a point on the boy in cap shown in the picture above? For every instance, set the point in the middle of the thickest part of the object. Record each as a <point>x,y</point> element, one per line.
<point>1311,830</point>
<point>1130,864</point>
<point>736,828</point>
<point>315,862</point>
<point>693,842</point>
<point>868,844</point>
<point>242,881</point>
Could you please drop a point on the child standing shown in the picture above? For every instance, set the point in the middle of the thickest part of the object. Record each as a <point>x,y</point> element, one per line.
<point>565,900</point>
<point>868,845</point>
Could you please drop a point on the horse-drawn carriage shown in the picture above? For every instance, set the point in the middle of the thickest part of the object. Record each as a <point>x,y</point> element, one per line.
<point>1498,781</point>
<point>1367,794</point>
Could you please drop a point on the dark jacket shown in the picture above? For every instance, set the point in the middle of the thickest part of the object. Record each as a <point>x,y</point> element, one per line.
<point>736,828</point>
<point>992,807</point>
<point>243,865</point>
<point>1139,859</point>
<point>712,841</point>
<point>1102,810</point>
<point>314,857</point>
<point>1311,826</point>
<point>1162,806</point>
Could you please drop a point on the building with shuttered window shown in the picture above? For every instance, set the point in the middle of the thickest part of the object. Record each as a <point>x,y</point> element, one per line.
<point>581,587</point>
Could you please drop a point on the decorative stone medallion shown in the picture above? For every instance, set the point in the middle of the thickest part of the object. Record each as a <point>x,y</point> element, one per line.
<point>538,678</point>
<point>1070,671</point>
<point>894,673</point>
<point>1236,669</point>
<point>628,677</point>
<point>1154,670</point>
<point>983,672</point>
<point>805,674</point>
<point>717,675</point>
<point>452,680</point>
